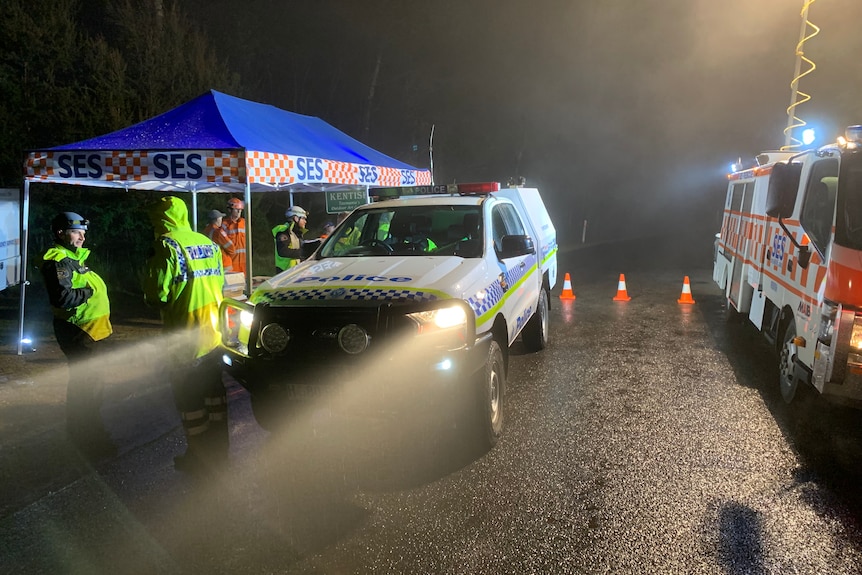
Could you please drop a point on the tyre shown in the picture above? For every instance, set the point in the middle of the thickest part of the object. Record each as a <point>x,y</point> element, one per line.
<point>788,383</point>
<point>535,335</point>
<point>270,409</point>
<point>490,390</point>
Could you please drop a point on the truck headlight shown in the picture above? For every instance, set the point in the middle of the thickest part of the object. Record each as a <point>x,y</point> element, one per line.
<point>440,319</point>
<point>234,324</point>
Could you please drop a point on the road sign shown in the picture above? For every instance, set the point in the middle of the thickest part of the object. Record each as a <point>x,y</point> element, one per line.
<point>345,201</point>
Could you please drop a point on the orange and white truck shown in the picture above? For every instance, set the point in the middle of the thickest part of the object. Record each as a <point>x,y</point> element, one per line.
<point>789,257</point>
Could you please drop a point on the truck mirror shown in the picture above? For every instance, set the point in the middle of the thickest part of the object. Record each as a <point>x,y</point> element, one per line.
<point>514,246</point>
<point>783,186</point>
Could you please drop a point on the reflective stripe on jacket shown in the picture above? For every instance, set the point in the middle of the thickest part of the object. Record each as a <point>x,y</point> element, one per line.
<point>184,276</point>
<point>77,294</point>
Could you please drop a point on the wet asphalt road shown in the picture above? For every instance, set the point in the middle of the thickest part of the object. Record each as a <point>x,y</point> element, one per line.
<point>648,438</point>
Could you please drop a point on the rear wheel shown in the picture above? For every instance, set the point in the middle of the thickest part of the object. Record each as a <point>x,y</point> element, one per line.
<point>490,389</point>
<point>535,334</point>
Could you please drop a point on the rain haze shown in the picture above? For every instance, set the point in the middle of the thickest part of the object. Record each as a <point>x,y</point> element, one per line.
<point>626,115</point>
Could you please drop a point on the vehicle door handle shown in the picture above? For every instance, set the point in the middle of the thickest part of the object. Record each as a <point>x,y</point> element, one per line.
<point>523,265</point>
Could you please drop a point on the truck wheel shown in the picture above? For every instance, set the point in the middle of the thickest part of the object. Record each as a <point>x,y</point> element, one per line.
<point>535,336</point>
<point>268,408</point>
<point>490,388</point>
<point>787,380</point>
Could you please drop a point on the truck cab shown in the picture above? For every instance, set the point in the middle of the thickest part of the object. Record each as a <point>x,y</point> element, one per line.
<point>425,289</point>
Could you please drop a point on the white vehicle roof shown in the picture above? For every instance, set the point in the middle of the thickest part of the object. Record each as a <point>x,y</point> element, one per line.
<point>435,200</point>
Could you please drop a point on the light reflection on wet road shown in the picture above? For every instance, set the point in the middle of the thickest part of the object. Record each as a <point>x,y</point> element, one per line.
<point>648,438</point>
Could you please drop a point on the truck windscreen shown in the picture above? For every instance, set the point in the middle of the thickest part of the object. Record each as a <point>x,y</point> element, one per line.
<point>410,230</point>
<point>848,220</point>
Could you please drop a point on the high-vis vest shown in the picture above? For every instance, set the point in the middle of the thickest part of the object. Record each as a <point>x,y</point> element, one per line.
<point>283,263</point>
<point>236,233</point>
<point>184,276</point>
<point>92,316</point>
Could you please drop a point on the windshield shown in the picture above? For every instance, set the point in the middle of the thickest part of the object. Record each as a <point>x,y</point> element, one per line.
<point>408,230</point>
<point>848,222</point>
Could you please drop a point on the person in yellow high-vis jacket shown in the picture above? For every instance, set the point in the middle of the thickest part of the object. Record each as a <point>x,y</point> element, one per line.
<point>79,299</point>
<point>184,280</point>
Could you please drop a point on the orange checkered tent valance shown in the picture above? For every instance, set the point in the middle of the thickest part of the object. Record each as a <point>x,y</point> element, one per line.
<point>220,143</point>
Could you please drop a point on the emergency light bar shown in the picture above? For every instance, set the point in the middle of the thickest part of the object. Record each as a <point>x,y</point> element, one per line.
<point>479,188</point>
<point>852,138</point>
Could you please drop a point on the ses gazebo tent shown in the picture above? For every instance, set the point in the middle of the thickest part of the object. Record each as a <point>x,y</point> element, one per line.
<point>218,143</point>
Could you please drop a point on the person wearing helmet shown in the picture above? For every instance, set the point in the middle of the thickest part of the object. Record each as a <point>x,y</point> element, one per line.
<point>79,299</point>
<point>288,238</point>
<point>215,232</point>
<point>234,227</point>
<point>184,280</point>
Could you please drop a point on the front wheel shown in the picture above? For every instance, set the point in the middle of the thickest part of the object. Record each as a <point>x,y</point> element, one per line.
<point>535,336</point>
<point>490,389</point>
<point>787,381</point>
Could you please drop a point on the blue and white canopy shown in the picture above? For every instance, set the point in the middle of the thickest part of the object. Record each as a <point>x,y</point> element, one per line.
<point>220,143</point>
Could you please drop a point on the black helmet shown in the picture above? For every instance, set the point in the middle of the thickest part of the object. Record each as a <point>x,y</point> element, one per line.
<point>69,221</point>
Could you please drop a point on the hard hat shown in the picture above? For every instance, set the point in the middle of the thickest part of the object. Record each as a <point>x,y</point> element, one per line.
<point>236,203</point>
<point>295,211</point>
<point>69,221</point>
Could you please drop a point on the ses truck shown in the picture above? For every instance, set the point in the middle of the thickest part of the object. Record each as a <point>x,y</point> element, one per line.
<point>789,257</point>
<point>420,292</point>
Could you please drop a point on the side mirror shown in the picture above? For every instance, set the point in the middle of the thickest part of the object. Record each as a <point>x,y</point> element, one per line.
<point>514,246</point>
<point>783,187</point>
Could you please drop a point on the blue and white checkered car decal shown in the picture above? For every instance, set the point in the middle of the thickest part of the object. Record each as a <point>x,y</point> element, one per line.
<point>347,294</point>
<point>494,295</point>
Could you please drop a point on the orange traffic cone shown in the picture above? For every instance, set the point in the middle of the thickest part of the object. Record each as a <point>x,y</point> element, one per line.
<point>567,288</point>
<point>686,292</point>
<point>622,294</point>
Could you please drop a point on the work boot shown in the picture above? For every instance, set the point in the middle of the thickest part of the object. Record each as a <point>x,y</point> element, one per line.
<point>217,444</point>
<point>196,460</point>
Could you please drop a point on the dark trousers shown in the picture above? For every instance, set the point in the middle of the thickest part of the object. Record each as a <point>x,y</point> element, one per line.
<point>86,387</point>
<point>200,397</point>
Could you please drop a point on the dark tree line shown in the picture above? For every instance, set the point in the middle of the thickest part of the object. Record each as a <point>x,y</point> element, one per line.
<point>75,69</point>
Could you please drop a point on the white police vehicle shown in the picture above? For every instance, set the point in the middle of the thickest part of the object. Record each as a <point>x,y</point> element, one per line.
<point>424,291</point>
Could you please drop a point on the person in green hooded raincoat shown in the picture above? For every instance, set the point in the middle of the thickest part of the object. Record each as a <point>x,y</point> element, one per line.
<point>184,280</point>
<point>79,300</point>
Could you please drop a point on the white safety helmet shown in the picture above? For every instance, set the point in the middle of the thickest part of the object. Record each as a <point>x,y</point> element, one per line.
<point>295,211</point>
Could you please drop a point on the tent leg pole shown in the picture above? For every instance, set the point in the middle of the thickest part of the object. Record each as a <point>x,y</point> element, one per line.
<point>194,209</point>
<point>25,230</point>
<point>248,246</point>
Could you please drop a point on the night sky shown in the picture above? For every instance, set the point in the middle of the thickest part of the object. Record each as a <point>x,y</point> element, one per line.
<point>624,113</point>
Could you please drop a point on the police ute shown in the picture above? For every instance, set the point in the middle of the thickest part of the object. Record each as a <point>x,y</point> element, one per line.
<point>415,297</point>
